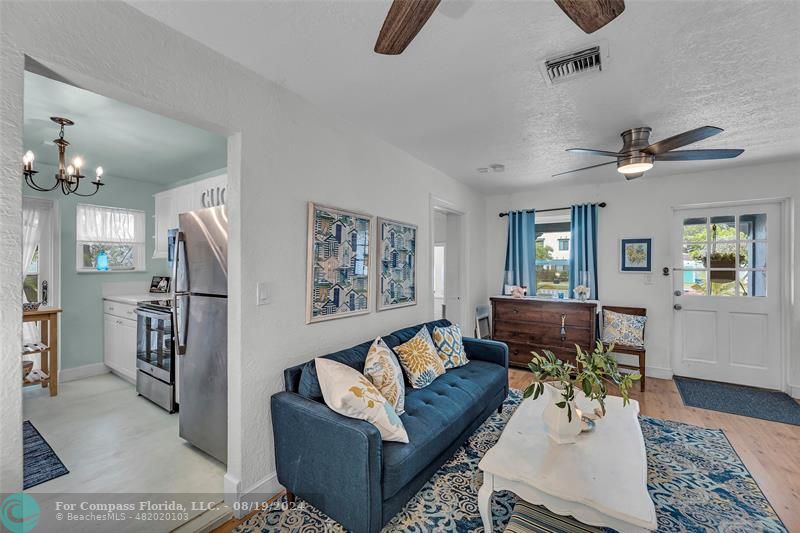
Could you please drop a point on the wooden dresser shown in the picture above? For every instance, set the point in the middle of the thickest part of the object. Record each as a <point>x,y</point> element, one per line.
<point>534,325</point>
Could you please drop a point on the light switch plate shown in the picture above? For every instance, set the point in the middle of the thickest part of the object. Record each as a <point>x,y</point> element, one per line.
<point>263,293</point>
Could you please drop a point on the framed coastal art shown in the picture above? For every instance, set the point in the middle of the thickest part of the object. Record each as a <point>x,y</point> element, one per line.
<point>338,279</point>
<point>397,264</point>
<point>636,255</point>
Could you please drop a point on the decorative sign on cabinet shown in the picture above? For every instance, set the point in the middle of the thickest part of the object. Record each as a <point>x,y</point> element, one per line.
<point>209,192</point>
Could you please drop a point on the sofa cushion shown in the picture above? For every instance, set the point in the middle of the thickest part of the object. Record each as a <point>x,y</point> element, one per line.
<point>353,357</point>
<point>435,416</point>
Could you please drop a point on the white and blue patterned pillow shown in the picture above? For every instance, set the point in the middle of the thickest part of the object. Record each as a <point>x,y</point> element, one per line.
<point>626,330</point>
<point>420,360</point>
<point>450,345</point>
<point>383,370</point>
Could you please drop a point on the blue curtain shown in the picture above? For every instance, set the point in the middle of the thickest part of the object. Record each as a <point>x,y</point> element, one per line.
<point>521,249</point>
<point>583,247</point>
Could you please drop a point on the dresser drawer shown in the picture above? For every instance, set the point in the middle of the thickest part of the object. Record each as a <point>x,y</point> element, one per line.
<point>550,313</point>
<point>118,309</point>
<point>521,354</point>
<point>545,334</point>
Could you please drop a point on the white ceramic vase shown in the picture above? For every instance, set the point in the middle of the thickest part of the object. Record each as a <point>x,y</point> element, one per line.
<point>559,427</point>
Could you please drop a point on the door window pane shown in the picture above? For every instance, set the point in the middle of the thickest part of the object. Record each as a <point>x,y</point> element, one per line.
<point>723,255</point>
<point>695,282</point>
<point>723,228</point>
<point>694,255</point>
<point>752,283</point>
<point>723,283</point>
<point>753,226</point>
<point>694,229</point>
<point>753,254</point>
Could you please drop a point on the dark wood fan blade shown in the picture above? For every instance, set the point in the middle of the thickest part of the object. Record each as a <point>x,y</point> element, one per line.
<point>402,24</point>
<point>698,155</point>
<point>584,168</point>
<point>590,151</point>
<point>591,15</point>
<point>682,139</point>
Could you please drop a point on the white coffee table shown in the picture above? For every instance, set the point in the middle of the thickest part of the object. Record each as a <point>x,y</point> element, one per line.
<point>601,479</point>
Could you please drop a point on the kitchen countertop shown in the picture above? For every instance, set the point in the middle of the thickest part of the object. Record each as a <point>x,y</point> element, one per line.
<point>136,298</point>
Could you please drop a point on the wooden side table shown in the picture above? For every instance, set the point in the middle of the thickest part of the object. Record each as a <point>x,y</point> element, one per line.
<point>48,320</point>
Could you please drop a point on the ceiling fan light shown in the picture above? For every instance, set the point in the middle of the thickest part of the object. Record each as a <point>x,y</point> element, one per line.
<point>635,164</point>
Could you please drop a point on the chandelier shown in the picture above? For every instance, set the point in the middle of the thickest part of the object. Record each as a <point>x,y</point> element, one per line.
<point>68,177</point>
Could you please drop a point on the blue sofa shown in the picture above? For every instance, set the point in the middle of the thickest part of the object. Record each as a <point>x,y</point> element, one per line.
<point>341,466</point>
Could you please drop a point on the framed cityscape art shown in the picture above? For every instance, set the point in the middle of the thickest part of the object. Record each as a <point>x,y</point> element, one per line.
<point>397,264</point>
<point>338,263</point>
<point>636,255</point>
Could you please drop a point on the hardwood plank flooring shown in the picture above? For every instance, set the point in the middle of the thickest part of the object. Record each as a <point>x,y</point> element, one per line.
<point>768,449</point>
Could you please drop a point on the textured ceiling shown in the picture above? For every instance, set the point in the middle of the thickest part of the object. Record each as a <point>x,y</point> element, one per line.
<point>468,92</point>
<point>126,141</point>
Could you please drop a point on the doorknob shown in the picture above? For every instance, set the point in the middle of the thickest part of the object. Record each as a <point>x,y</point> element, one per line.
<point>677,293</point>
<point>677,307</point>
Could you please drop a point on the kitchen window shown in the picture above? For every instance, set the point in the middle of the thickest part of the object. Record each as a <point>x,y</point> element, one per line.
<point>109,239</point>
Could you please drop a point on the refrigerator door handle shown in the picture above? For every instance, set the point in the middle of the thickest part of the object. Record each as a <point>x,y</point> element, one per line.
<point>180,273</point>
<point>179,312</point>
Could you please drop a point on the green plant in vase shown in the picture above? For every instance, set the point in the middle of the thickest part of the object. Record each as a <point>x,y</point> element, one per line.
<point>591,374</point>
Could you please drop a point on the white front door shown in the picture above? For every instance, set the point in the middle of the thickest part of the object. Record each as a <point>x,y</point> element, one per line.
<point>727,294</point>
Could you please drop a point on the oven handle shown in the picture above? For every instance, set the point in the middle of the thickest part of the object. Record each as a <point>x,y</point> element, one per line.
<point>146,313</point>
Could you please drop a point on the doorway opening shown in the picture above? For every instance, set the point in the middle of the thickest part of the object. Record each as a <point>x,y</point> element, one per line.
<point>448,265</point>
<point>109,404</point>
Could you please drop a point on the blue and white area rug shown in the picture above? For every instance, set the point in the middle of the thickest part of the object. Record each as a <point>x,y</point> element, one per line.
<point>696,480</point>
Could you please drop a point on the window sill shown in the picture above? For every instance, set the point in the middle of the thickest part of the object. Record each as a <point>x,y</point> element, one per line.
<point>132,271</point>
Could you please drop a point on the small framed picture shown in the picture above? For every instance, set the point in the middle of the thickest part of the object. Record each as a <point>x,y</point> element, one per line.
<point>160,284</point>
<point>636,255</point>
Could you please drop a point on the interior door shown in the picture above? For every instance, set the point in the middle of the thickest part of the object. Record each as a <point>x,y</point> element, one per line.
<point>453,265</point>
<point>727,293</point>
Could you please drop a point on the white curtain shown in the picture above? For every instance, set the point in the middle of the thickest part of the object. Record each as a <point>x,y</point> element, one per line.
<point>109,225</point>
<point>33,214</point>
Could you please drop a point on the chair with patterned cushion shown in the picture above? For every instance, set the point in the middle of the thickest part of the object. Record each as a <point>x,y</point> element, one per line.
<point>627,348</point>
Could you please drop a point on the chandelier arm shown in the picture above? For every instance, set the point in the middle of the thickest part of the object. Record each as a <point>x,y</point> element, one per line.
<point>96,188</point>
<point>32,184</point>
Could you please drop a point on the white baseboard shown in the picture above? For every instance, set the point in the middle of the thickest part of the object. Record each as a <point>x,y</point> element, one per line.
<point>794,391</point>
<point>244,501</point>
<point>658,372</point>
<point>80,372</point>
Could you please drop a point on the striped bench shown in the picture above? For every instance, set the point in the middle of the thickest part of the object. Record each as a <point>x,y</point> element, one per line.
<point>529,518</point>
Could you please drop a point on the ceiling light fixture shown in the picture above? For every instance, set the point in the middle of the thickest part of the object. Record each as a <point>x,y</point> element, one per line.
<point>68,176</point>
<point>635,164</point>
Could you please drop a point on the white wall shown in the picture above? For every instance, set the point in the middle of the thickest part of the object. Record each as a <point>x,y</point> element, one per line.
<point>642,208</point>
<point>282,153</point>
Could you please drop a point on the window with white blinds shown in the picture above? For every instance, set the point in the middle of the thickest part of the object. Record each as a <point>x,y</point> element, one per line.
<point>109,239</point>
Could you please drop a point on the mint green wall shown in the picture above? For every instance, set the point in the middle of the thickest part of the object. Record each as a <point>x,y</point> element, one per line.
<point>82,294</point>
<point>199,177</point>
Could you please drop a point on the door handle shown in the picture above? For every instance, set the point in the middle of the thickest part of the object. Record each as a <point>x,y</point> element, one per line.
<point>677,307</point>
<point>677,293</point>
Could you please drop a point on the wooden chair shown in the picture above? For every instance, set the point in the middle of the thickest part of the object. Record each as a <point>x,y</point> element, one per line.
<point>629,350</point>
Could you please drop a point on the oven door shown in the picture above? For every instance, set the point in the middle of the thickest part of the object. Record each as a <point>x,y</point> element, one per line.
<point>154,351</point>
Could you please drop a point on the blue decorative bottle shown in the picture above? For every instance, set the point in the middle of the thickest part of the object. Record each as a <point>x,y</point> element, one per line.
<point>101,260</point>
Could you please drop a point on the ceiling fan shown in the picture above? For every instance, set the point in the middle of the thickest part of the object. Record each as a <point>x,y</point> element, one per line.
<point>637,155</point>
<point>407,17</point>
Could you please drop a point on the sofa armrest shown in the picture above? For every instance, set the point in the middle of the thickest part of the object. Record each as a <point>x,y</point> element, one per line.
<point>486,350</point>
<point>329,460</point>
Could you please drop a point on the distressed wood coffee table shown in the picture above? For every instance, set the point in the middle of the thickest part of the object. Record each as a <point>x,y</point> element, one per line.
<point>601,479</point>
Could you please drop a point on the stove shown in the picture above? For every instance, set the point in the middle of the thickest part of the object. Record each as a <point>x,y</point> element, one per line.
<point>155,353</point>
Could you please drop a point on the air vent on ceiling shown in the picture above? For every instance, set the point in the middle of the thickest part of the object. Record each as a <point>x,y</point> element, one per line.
<point>570,65</point>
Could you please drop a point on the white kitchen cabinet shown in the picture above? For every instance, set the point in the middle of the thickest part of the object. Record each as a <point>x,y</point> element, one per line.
<point>169,204</point>
<point>119,346</point>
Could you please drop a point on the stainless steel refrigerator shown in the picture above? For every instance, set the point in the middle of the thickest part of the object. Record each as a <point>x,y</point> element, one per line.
<point>200,291</point>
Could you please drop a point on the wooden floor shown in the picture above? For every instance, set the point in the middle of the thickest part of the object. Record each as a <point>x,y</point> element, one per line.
<point>770,450</point>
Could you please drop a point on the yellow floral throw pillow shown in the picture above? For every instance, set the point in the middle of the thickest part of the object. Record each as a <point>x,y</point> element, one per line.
<point>383,370</point>
<point>420,360</point>
<point>450,346</point>
<point>349,393</point>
